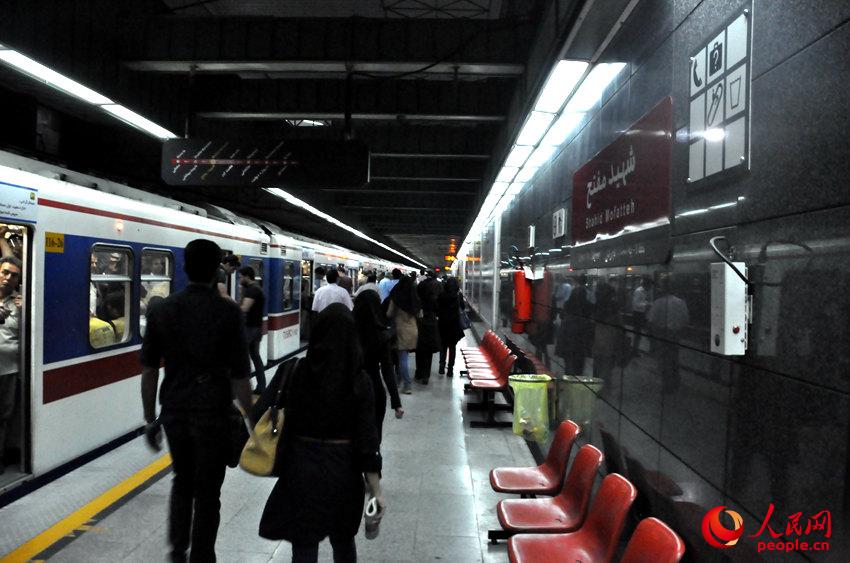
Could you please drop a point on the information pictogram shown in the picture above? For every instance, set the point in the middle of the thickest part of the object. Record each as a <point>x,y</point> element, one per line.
<point>718,125</point>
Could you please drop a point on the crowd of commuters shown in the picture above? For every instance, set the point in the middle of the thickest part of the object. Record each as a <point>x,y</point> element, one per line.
<point>335,398</point>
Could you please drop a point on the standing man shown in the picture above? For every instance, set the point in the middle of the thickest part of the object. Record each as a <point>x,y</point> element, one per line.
<point>344,280</point>
<point>331,293</point>
<point>253,301</point>
<point>10,338</point>
<point>199,335</point>
<point>428,341</point>
<point>229,264</point>
<point>641,299</point>
<point>388,283</point>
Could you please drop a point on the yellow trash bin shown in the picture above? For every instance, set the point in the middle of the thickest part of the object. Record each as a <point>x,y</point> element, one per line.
<point>531,405</point>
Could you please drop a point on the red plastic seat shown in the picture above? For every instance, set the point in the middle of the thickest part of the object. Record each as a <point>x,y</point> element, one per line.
<point>562,513</point>
<point>654,542</point>
<point>595,542</point>
<point>545,479</point>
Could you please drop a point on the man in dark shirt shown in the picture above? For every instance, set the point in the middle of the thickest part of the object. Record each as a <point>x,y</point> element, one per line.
<point>253,300</point>
<point>199,336</point>
<point>344,280</point>
<point>229,264</point>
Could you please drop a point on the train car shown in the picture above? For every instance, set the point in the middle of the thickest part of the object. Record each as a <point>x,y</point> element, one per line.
<point>93,262</point>
<point>95,256</point>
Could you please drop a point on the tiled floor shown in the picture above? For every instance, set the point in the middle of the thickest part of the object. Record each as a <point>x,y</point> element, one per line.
<point>440,504</point>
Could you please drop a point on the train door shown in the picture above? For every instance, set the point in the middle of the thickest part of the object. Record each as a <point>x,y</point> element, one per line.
<point>259,277</point>
<point>15,346</point>
<point>306,299</point>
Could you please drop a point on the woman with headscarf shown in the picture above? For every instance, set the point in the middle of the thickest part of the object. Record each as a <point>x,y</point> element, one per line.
<point>404,309</point>
<point>374,334</point>
<point>328,445</point>
<point>449,304</point>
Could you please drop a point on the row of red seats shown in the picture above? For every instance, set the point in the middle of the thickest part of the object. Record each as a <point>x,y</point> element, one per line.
<point>488,367</point>
<point>564,526</point>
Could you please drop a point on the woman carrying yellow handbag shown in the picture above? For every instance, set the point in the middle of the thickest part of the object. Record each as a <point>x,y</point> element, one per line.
<point>260,452</point>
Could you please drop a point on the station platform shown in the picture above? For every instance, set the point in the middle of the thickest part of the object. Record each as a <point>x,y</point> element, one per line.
<point>440,504</point>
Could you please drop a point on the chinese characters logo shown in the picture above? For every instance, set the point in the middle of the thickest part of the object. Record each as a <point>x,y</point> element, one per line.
<point>716,534</point>
<point>793,536</point>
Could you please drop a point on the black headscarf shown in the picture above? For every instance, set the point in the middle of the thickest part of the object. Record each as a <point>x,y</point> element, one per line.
<point>451,288</point>
<point>334,355</point>
<point>370,320</point>
<point>404,296</point>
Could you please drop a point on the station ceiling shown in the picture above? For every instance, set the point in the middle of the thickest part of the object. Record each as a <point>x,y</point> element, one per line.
<point>428,84</point>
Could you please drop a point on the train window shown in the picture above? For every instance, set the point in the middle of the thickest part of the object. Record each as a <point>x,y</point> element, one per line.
<point>156,275</point>
<point>258,270</point>
<point>109,295</point>
<point>291,285</point>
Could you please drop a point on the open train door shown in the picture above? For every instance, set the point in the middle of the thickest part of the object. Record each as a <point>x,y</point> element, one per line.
<point>16,339</point>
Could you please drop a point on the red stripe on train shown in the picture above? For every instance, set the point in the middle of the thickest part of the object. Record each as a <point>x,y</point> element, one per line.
<point>283,321</point>
<point>113,215</point>
<point>63,382</point>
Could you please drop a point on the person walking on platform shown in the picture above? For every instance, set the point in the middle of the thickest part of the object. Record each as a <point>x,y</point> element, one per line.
<point>370,284</point>
<point>253,301</point>
<point>388,283</point>
<point>449,304</point>
<point>199,336</point>
<point>429,334</point>
<point>329,445</point>
<point>331,293</point>
<point>404,309</point>
<point>375,339</point>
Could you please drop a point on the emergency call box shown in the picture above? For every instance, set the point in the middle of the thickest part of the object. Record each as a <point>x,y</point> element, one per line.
<point>729,309</point>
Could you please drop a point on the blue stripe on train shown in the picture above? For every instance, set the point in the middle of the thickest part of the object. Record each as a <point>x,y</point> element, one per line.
<point>66,295</point>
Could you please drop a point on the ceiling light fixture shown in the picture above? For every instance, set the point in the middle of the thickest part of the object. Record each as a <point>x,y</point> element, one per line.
<point>560,85</point>
<point>34,69</point>
<point>297,202</point>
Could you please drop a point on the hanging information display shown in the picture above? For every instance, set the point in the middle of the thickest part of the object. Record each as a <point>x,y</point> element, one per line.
<point>295,163</point>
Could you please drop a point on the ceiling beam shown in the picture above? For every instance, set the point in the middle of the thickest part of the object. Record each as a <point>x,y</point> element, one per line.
<point>431,155</point>
<point>319,69</point>
<point>280,116</point>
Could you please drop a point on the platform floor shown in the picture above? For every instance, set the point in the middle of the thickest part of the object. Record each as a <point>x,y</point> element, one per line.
<point>440,504</point>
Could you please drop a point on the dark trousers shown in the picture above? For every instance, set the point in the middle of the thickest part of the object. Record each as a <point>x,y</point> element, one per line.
<point>423,365</point>
<point>345,551</point>
<point>452,352</point>
<point>8,399</point>
<point>198,453</point>
<point>254,337</point>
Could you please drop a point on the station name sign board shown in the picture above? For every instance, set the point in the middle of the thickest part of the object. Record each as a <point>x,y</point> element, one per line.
<point>292,163</point>
<point>626,187</point>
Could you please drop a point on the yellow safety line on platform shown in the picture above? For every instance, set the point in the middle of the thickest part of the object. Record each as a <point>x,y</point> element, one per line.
<point>78,518</point>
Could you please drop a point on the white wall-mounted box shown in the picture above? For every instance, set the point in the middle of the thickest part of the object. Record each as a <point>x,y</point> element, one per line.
<point>729,309</point>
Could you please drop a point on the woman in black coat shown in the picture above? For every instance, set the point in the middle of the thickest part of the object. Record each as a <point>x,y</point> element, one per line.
<point>329,443</point>
<point>375,339</point>
<point>449,304</point>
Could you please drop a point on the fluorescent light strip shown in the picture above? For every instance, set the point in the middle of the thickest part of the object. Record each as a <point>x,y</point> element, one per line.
<point>292,200</point>
<point>518,156</point>
<point>534,128</point>
<point>593,87</point>
<point>506,175</point>
<point>38,71</point>
<point>560,85</point>
<point>562,128</point>
<point>142,123</point>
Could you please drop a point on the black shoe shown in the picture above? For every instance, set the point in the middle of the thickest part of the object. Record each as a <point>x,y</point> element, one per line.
<point>442,370</point>
<point>449,372</point>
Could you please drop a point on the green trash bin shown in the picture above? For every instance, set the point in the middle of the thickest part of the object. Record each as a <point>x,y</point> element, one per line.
<point>576,397</point>
<point>531,405</point>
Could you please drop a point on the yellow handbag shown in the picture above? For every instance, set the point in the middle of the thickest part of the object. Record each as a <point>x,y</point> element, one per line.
<point>258,455</point>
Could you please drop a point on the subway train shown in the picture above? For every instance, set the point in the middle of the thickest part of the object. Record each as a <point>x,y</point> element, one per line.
<point>95,254</point>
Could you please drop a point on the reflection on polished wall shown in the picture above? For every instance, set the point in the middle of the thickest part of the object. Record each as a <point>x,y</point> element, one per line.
<point>690,428</point>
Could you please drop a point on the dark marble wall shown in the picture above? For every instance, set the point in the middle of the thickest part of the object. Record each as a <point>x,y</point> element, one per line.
<point>690,428</point>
